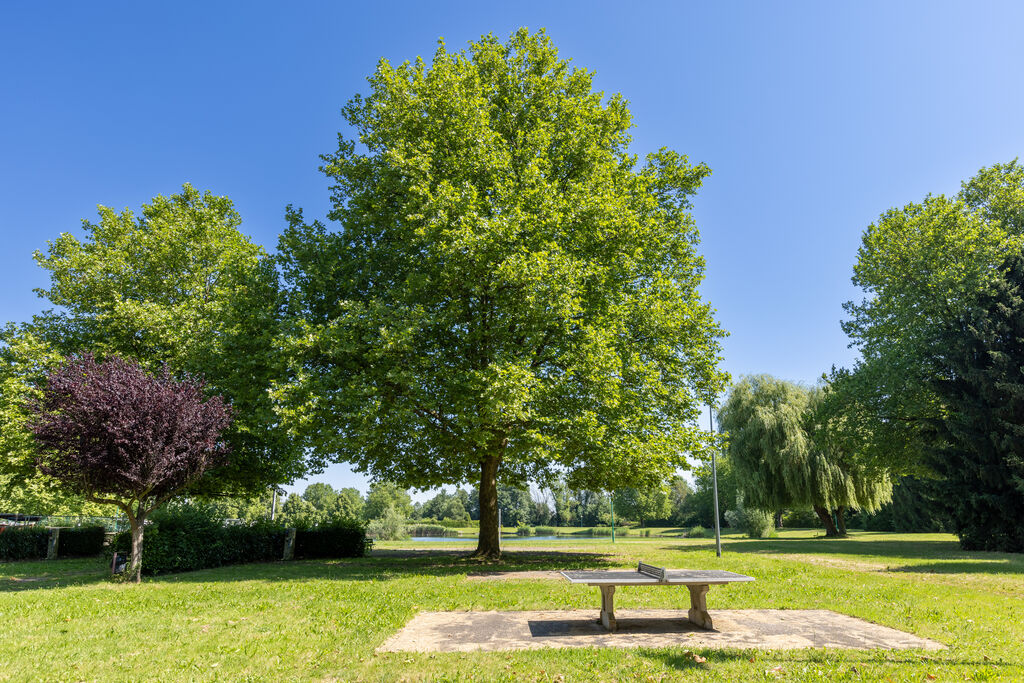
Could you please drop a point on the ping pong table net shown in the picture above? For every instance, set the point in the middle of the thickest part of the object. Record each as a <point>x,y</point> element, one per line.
<point>658,573</point>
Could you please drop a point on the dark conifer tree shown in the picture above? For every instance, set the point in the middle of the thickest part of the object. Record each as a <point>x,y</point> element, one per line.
<point>982,388</point>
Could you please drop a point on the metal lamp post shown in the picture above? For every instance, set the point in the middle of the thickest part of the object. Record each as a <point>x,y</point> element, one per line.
<point>714,484</point>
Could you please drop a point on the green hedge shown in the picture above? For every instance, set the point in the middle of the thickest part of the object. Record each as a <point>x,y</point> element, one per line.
<point>546,531</point>
<point>23,542</point>
<point>187,539</point>
<point>82,541</point>
<point>342,539</point>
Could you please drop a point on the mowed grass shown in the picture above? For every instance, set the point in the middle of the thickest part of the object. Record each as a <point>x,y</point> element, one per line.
<point>322,620</point>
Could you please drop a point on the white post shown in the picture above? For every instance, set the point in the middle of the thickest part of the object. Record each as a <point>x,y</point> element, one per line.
<point>499,528</point>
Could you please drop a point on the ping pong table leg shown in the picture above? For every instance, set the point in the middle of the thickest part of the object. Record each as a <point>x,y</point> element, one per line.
<point>699,606</point>
<point>608,607</point>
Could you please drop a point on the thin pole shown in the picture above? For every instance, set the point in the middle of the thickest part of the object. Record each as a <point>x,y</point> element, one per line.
<point>499,528</point>
<point>611,501</point>
<point>714,480</point>
<point>273,505</point>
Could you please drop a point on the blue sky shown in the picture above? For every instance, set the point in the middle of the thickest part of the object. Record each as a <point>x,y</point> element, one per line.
<point>814,117</point>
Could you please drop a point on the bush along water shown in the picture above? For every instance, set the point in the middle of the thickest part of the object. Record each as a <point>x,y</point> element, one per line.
<point>430,530</point>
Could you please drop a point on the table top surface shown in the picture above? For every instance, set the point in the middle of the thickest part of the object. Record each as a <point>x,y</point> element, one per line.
<point>673,577</point>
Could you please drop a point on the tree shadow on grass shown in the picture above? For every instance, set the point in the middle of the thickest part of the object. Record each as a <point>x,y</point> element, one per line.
<point>381,565</point>
<point>36,575</point>
<point>684,660</point>
<point>865,546</point>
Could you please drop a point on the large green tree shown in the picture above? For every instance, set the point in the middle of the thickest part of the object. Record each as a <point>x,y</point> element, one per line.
<point>178,284</point>
<point>509,292</point>
<point>980,382</point>
<point>642,505</point>
<point>921,268</point>
<point>784,455</point>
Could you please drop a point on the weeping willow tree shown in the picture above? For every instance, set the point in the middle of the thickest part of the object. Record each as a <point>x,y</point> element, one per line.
<point>785,456</point>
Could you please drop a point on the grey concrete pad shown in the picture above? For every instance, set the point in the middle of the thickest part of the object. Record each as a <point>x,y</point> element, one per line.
<point>748,628</point>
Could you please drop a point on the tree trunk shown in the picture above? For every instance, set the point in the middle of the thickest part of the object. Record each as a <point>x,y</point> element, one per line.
<point>841,520</point>
<point>778,519</point>
<point>489,543</point>
<point>826,519</point>
<point>133,572</point>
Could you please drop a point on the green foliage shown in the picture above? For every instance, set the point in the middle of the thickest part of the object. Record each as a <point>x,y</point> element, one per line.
<point>921,268</point>
<point>430,530</point>
<point>806,519</point>
<point>454,507</point>
<point>189,537</point>
<point>698,507</point>
<point>178,284</point>
<point>697,532</point>
<point>25,362</point>
<point>345,538</point>
<point>508,286</point>
<point>917,506</point>
<point>525,531</point>
<point>642,505</point>
<point>247,509</point>
<point>320,505</point>
<point>783,447</point>
<point>545,531</point>
<point>23,542</point>
<point>981,385</point>
<point>297,512</point>
<point>753,522</point>
<point>384,498</point>
<point>391,526</point>
<point>516,506</point>
<point>83,541</point>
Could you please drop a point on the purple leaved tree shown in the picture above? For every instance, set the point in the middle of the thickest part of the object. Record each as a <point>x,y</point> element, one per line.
<point>118,435</point>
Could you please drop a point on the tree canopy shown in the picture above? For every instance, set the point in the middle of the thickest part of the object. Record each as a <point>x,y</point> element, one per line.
<point>980,383</point>
<point>509,293</point>
<point>116,435</point>
<point>784,456</point>
<point>180,285</point>
<point>921,268</point>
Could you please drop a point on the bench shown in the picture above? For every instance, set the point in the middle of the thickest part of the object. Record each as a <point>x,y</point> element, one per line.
<point>697,580</point>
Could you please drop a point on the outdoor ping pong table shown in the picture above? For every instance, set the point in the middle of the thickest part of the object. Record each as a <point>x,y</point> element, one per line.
<point>697,580</point>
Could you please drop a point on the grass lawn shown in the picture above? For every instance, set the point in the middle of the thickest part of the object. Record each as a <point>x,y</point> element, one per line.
<point>317,620</point>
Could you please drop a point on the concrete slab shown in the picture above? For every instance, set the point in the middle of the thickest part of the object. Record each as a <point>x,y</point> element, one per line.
<point>761,629</point>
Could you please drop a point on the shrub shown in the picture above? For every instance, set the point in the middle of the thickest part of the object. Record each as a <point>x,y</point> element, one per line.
<point>83,541</point>
<point>697,532</point>
<point>346,538</point>
<point>801,519</point>
<point>524,531</point>
<point>760,524</point>
<point>460,523</point>
<point>430,530</point>
<point>390,527</point>
<point>546,531</point>
<point>755,523</point>
<point>646,533</point>
<point>23,542</point>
